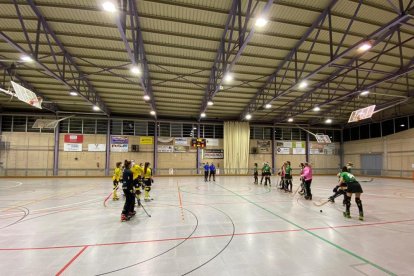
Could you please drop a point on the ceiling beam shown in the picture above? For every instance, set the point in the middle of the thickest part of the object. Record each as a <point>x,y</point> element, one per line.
<point>64,64</point>
<point>128,10</point>
<point>230,49</point>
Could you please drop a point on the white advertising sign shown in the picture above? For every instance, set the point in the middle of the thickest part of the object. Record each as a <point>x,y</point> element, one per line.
<point>180,141</point>
<point>212,142</point>
<point>165,148</point>
<point>283,150</point>
<point>287,144</point>
<point>72,147</point>
<point>299,151</point>
<point>119,147</point>
<point>96,147</point>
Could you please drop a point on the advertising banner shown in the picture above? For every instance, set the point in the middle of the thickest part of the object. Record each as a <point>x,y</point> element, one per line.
<point>213,154</point>
<point>72,147</point>
<point>119,147</point>
<point>281,150</point>
<point>165,148</point>
<point>96,147</point>
<point>212,142</point>
<point>299,151</point>
<point>73,138</point>
<point>181,141</point>
<point>146,140</point>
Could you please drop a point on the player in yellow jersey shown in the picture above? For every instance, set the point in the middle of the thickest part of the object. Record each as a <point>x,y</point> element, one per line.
<point>137,172</point>
<point>115,179</point>
<point>147,181</point>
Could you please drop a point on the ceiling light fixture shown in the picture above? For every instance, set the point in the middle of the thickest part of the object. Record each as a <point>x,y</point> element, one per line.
<point>228,77</point>
<point>96,108</point>
<point>328,121</point>
<point>135,70</point>
<point>364,93</point>
<point>152,112</point>
<point>203,115</point>
<point>109,6</point>
<point>146,98</point>
<point>26,59</point>
<point>267,106</point>
<point>316,109</point>
<point>365,46</point>
<point>73,93</point>
<point>303,84</point>
<point>402,125</point>
<point>210,103</point>
<point>290,120</point>
<point>261,22</point>
<point>248,116</point>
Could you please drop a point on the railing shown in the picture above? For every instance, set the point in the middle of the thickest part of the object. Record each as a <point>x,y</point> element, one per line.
<point>191,171</point>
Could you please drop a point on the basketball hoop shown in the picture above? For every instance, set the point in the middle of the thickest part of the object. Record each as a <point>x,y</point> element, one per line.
<point>48,123</point>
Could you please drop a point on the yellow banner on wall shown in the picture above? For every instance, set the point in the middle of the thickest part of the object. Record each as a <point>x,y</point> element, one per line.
<point>146,140</point>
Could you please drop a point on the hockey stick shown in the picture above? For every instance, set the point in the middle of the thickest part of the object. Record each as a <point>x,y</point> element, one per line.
<point>321,204</point>
<point>365,181</point>
<point>106,199</point>
<point>296,191</point>
<point>142,206</point>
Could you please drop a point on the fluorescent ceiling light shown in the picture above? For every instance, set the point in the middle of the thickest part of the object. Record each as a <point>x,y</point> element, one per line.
<point>316,108</point>
<point>96,108</point>
<point>364,93</point>
<point>328,121</point>
<point>146,98</point>
<point>73,93</point>
<point>248,117</point>
<point>203,115</point>
<point>290,120</point>
<point>210,103</point>
<point>267,106</point>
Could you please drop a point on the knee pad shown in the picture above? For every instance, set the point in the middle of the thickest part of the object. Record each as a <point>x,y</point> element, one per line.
<point>138,192</point>
<point>147,188</point>
<point>358,201</point>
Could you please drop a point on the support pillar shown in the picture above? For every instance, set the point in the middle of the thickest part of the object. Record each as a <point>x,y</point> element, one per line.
<point>108,148</point>
<point>273,151</point>
<point>1,124</point>
<point>307,147</point>
<point>341,150</point>
<point>198,158</point>
<point>155,165</point>
<point>56,151</point>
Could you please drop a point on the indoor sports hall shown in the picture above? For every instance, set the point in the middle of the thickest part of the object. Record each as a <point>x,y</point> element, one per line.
<point>220,137</point>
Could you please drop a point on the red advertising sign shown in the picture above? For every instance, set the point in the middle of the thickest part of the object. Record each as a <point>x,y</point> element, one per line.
<point>73,138</point>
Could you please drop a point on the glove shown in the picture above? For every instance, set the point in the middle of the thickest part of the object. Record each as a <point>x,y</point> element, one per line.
<point>152,180</point>
<point>335,189</point>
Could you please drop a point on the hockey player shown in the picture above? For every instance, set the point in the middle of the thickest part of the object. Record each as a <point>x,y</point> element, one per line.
<point>127,187</point>
<point>288,177</point>
<point>137,172</point>
<point>115,179</point>
<point>256,174</point>
<point>267,173</point>
<point>147,181</point>
<point>206,170</point>
<point>307,176</point>
<point>212,172</point>
<point>352,187</point>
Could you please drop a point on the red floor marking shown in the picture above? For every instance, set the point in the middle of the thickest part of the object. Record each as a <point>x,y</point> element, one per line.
<point>203,237</point>
<point>71,261</point>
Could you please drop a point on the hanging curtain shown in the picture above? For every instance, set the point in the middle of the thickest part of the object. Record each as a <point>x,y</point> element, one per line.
<point>236,147</point>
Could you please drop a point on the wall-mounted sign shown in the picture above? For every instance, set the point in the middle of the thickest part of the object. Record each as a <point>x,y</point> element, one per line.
<point>96,147</point>
<point>181,141</point>
<point>146,140</point>
<point>281,150</point>
<point>73,138</point>
<point>213,154</point>
<point>72,147</point>
<point>212,142</point>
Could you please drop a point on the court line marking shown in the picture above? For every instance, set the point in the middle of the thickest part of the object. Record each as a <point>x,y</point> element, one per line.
<point>208,236</point>
<point>71,261</point>
<point>7,188</point>
<point>315,235</point>
<point>181,201</point>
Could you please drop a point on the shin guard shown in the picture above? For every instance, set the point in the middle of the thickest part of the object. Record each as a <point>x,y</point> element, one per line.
<point>359,204</point>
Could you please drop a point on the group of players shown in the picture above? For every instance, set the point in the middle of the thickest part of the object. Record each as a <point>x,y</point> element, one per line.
<point>133,178</point>
<point>347,186</point>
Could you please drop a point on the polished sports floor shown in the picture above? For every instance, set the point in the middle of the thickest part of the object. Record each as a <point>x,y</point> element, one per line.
<point>228,227</point>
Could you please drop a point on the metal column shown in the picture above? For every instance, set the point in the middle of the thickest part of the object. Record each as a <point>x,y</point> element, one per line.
<point>341,149</point>
<point>307,147</point>
<point>56,151</point>
<point>273,151</point>
<point>1,124</point>
<point>198,151</point>
<point>108,148</point>
<point>155,165</point>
